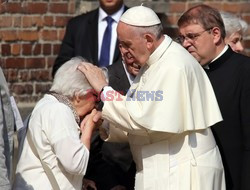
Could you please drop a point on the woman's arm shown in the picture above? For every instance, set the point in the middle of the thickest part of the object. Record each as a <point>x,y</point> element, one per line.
<point>88,125</point>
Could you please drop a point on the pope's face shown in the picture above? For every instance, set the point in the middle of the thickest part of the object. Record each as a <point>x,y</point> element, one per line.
<point>133,46</point>
<point>235,42</point>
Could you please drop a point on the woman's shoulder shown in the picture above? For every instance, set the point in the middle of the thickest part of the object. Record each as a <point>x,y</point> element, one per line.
<point>50,105</point>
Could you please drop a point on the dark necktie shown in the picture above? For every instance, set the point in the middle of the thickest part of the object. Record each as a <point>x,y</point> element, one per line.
<point>105,49</point>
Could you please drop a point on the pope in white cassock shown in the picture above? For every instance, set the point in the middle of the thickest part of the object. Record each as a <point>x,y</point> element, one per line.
<point>167,112</point>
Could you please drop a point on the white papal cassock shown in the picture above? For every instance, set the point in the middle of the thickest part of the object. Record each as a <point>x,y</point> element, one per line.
<point>169,133</point>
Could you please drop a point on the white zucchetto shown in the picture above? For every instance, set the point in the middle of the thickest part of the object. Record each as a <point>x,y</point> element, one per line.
<point>140,16</point>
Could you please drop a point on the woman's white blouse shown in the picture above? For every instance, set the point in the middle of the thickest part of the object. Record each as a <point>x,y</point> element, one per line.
<point>55,134</point>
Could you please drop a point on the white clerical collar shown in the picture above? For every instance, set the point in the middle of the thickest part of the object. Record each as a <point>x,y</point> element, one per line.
<point>159,50</point>
<point>116,16</point>
<point>221,53</point>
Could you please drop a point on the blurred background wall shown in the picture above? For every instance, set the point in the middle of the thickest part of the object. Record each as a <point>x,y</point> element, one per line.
<point>31,33</point>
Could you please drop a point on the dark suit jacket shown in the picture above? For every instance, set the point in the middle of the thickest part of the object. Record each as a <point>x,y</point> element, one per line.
<point>117,76</point>
<point>230,78</point>
<point>81,39</point>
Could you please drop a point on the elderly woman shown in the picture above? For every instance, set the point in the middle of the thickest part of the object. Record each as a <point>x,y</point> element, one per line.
<point>235,28</point>
<point>56,150</point>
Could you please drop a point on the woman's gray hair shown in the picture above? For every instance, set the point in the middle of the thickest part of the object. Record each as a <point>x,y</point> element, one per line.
<point>244,25</point>
<point>69,81</point>
<point>233,23</point>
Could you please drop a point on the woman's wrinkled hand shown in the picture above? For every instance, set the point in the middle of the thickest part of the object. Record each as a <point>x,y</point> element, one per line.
<point>92,120</point>
<point>88,125</point>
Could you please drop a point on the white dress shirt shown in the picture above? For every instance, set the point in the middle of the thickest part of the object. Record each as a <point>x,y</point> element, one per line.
<point>102,24</point>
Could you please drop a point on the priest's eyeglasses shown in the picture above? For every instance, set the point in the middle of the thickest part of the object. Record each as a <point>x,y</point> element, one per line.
<point>190,36</point>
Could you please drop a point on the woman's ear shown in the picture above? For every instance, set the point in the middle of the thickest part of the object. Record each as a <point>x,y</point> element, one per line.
<point>77,98</point>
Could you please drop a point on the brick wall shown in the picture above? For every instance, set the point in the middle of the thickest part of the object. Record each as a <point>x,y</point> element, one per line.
<point>30,36</point>
<point>31,33</point>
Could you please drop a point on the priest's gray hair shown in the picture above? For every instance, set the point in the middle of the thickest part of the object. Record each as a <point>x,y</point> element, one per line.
<point>156,30</point>
<point>233,23</point>
<point>69,81</point>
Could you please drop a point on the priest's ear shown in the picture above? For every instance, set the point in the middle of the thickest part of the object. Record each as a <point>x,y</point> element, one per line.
<point>216,34</point>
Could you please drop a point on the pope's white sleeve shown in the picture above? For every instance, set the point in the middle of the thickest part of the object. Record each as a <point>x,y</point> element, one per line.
<point>114,110</point>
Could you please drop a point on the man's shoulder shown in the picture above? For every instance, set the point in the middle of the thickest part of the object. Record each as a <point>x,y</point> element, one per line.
<point>117,71</point>
<point>84,17</point>
<point>49,104</point>
<point>116,67</point>
<point>240,61</point>
<point>241,57</point>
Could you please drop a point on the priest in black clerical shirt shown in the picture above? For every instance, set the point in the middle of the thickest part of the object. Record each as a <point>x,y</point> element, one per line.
<point>202,33</point>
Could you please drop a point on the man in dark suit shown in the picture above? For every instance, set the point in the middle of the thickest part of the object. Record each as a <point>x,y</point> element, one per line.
<point>84,35</point>
<point>202,33</point>
<point>111,165</point>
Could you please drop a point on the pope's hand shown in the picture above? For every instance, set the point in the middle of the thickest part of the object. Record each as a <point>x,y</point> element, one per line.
<point>94,75</point>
